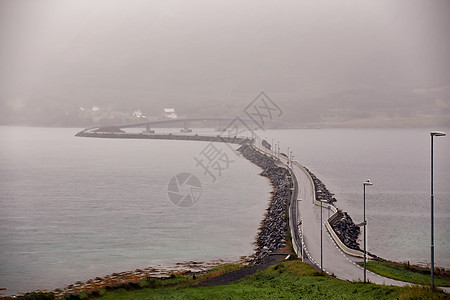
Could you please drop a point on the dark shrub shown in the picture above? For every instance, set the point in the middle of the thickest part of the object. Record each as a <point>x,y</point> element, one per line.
<point>37,296</point>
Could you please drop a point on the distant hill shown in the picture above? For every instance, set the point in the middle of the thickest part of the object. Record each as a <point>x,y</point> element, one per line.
<point>358,107</point>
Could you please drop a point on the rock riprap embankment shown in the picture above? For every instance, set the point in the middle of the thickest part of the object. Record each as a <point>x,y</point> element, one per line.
<point>274,226</point>
<point>266,144</point>
<point>342,223</point>
<point>346,230</point>
<point>322,193</point>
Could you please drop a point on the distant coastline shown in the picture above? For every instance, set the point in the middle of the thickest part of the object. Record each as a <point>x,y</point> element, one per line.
<point>380,121</point>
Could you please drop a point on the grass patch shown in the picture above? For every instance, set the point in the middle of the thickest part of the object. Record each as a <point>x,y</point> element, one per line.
<point>407,273</point>
<point>287,280</point>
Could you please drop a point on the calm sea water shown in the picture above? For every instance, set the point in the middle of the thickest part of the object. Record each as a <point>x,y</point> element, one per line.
<point>75,208</point>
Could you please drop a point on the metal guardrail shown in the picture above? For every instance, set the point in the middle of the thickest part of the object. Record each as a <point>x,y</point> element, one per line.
<point>295,237</point>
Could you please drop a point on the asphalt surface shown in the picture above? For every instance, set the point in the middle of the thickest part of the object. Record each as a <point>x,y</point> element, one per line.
<point>334,261</point>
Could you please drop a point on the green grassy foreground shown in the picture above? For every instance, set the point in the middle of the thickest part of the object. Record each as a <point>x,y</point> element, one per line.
<point>406,273</point>
<point>286,280</point>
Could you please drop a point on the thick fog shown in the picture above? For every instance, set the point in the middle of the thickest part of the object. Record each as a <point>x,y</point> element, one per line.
<point>321,61</point>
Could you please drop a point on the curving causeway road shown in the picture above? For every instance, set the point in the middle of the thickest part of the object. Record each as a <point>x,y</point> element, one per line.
<point>334,260</point>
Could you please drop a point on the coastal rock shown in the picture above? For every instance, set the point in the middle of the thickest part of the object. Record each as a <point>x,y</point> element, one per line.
<point>266,144</point>
<point>273,228</point>
<point>346,230</point>
<point>342,224</point>
<point>322,193</point>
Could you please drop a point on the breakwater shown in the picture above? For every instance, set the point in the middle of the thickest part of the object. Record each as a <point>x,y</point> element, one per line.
<point>272,231</point>
<point>155,136</point>
<point>274,226</point>
<point>267,240</point>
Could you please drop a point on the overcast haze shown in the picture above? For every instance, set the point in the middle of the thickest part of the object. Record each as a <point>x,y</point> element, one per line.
<point>321,61</point>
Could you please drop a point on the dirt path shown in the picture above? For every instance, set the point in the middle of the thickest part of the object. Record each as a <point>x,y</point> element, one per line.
<point>231,277</point>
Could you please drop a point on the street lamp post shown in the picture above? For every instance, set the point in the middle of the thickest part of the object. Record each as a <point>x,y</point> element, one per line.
<point>433,134</point>
<point>321,241</point>
<point>365,183</point>
<point>278,149</point>
<point>273,146</point>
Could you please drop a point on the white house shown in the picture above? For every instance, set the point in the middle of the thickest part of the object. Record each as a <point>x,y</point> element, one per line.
<point>169,113</point>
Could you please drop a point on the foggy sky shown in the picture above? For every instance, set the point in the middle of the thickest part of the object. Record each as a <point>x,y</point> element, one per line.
<point>169,53</point>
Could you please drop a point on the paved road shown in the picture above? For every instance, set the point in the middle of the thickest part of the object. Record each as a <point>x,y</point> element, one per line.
<point>335,261</point>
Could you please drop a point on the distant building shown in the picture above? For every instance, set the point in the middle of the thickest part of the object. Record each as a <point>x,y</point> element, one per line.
<point>137,113</point>
<point>169,113</point>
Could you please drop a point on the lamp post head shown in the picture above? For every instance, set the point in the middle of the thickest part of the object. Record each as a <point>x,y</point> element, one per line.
<point>437,133</point>
<point>368,182</point>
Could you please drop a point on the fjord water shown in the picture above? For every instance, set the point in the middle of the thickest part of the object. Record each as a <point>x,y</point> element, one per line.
<point>76,208</point>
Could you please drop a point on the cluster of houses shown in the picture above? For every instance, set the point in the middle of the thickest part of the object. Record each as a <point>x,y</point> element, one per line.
<point>167,113</point>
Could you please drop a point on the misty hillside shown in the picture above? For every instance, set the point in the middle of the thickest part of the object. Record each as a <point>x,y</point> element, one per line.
<point>78,63</point>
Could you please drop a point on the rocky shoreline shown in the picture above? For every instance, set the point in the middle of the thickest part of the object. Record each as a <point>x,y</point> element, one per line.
<point>127,279</point>
<point>274,226</point>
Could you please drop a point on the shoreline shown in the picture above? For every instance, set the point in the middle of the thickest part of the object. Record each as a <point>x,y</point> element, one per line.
<point>274,228</point>
<point>189,267</point>
<point>123,278</point>
<point>265,241</point>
